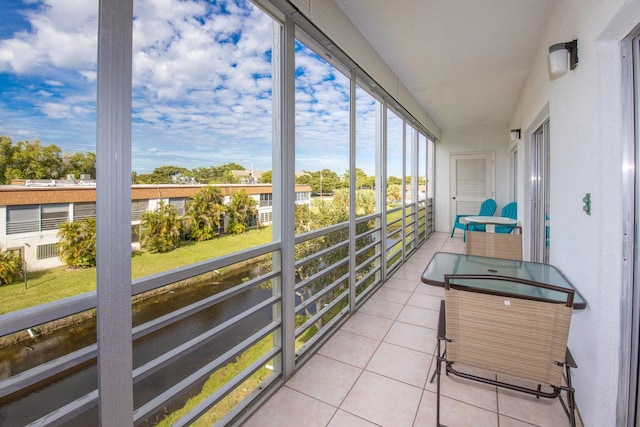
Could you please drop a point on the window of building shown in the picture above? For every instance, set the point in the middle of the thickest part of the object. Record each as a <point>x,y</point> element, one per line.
<point>266,217</point>
<point>303,196</point>
<point>23,219</point>
<point>53,215</point>
<point>138,207</point>
<point>178,203</point>
<point>266,199</point>
<point>84,210</point>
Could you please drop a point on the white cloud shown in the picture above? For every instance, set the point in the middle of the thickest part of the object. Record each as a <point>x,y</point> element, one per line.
<point>62,34</point>
<point>201,83</point>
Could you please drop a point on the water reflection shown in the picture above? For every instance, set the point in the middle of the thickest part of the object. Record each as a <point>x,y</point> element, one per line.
<point>20,410</point>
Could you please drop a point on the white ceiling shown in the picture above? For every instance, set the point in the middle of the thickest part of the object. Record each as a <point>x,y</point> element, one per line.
<point>465,61</point>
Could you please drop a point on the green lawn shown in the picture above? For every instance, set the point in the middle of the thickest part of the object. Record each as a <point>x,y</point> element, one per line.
<point>58,283</point>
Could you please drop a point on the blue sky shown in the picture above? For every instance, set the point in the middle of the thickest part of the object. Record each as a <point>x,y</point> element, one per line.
<point>201,85</point>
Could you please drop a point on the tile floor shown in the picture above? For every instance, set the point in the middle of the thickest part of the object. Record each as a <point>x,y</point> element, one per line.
<point>374,371</point>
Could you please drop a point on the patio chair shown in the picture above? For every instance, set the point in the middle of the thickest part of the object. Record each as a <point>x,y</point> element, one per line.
<point>522,339</point>
<point>487,208</point>
<point>510,210</point>
<point>494,245</point>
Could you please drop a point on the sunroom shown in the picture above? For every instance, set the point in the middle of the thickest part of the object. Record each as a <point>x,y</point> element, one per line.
<point>423,109</point>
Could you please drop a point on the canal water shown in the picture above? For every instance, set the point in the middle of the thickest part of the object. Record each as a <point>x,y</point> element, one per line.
<point>32,405</point>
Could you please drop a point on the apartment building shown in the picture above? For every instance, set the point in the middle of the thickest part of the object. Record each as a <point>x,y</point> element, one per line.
<point>32,210</point>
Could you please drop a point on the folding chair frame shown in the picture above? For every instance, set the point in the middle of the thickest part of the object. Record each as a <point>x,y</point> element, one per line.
<point>441,353</point>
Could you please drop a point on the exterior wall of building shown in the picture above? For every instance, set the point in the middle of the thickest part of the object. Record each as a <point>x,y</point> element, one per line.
<point>37,247</point>
<point>584,107</point>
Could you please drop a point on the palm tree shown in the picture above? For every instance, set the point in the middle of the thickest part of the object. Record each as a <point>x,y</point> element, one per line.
<point>77,246</point>
<point>241,209</point>
<point>203,213</point>
<point>161,229</point>
<point>10,266</point>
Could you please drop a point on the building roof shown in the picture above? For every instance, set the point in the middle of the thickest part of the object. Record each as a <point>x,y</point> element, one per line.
<point>12,195</point>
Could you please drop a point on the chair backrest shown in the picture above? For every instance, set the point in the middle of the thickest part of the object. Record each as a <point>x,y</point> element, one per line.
<point>505,333</point>
<point>494,245</point>
<point>510,210</point>
<point>488,208</point>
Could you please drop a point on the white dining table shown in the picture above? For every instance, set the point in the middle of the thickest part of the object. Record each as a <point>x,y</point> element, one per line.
<point>490,221</point>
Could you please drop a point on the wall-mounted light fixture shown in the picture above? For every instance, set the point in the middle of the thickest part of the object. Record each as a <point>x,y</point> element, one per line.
<point>515,134</point>
<point>563,57</point>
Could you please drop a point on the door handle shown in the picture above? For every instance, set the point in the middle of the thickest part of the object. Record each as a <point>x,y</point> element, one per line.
<point>454,197</point>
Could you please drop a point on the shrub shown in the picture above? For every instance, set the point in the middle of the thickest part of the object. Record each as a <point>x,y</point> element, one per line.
<point>77,246</point>
<point>10,267</point>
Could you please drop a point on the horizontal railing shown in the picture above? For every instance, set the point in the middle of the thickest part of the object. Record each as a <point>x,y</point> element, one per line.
<point>50,370</point>
<point>328,264</point>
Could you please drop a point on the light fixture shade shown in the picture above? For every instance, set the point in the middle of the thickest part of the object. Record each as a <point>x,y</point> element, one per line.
<point>558,59</point>
<point>515,134</point>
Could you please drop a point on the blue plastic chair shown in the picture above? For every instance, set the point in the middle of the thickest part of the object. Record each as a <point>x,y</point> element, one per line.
<point>510,210</point>
<point>487,208</point>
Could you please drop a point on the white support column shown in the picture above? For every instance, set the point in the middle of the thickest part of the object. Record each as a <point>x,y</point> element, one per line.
<point>113,213</point>
<point>381,180</point>
<point>287,197</point>
<point>352,193</point>
<point>415,178</point>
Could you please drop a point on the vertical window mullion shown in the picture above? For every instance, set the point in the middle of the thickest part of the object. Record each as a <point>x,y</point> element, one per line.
<point>352,193</point>
<point>113,205</point>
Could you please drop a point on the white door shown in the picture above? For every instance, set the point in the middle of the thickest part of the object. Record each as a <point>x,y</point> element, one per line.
<point>471,182</point>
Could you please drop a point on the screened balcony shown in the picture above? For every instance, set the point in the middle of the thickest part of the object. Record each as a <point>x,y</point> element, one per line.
<point>376,369</point>
<point>412,92</point>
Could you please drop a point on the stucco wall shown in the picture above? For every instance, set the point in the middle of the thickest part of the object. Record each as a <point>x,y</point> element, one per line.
<point>585,110</point>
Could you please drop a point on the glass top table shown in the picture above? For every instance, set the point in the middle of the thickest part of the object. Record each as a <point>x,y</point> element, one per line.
<point>449,263</point>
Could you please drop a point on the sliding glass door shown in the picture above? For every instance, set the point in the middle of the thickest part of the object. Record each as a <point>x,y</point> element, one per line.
<point>540,184</point>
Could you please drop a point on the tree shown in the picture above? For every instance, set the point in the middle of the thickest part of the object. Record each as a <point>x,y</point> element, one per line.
<point>163,175</point>
<point>6,157</point>
<point>31,160</point>
<point>266,178</point>
<point>78,163</point>
<point>218,174</point>
<point>77,246</point>
<point>362,180</point>
<point>160,229</point>
<point>365,200</point>
<point>322,182</point>
<point>324,214</point>
<point>10,267</point>
<point>203,214</point>
<point>394,193</point>
<point>241,209</point>
<point>394,180</point>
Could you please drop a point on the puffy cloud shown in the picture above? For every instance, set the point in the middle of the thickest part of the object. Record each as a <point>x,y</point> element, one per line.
<point>201,84</point>
<point>62,34</point>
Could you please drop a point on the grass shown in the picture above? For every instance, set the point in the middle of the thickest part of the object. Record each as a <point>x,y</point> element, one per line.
<point>220,378</point>
<point>62,282</point>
